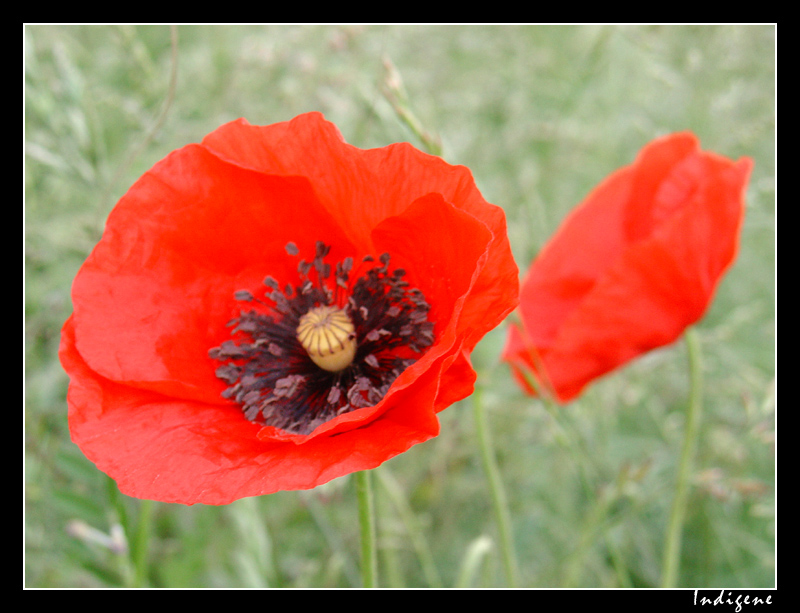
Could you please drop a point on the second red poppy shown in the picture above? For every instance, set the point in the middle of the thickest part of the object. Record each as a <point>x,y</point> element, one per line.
<point>630,268</point>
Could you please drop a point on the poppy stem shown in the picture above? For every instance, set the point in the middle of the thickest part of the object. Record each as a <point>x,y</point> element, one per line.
<point>140,544</point>
<point>672,543</point>
<point>366,519</point>
<point>496,489</point>
<point>395,93</point>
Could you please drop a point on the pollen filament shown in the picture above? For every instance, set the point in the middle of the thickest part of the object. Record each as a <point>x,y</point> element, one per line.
<point>328,336</point>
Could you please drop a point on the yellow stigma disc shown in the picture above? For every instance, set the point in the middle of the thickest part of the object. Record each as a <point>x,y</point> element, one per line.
<point>328,336</point>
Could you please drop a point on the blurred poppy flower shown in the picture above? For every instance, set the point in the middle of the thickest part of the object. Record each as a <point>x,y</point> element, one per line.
<point>273,308</point>
<point>630,268</point>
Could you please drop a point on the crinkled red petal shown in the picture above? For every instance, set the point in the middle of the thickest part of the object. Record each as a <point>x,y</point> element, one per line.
<point>362,187</point>
<point>149,300</point>
<point>176,450</point>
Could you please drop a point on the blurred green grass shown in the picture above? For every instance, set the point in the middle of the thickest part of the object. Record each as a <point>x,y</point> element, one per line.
<point>540,114</point>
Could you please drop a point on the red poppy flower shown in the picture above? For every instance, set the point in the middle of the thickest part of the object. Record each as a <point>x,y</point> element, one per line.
<point>190,380</point>
<point>630,268</point>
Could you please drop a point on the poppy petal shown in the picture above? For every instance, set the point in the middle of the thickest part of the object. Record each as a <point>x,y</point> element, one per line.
<point>349,184</point>
<point>186,236</point>
<point>184,451</point>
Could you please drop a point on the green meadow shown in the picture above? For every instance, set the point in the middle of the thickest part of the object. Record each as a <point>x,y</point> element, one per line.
<point>540,114</point>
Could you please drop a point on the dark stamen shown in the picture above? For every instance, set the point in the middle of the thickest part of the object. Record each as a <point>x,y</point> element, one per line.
<point>270,373</point>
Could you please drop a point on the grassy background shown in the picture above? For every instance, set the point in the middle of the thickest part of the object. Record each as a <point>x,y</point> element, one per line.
<point>540,114</point>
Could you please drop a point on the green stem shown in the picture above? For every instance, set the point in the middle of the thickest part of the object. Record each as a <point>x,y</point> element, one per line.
<point>395,93</point>
<point>496,490</point>
<point>141,543</point>
<point>366,519</point>
<point>672,543</point>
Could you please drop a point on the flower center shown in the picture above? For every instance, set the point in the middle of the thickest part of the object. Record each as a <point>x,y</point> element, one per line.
<point>325,346</point>
<point>328,336</point>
